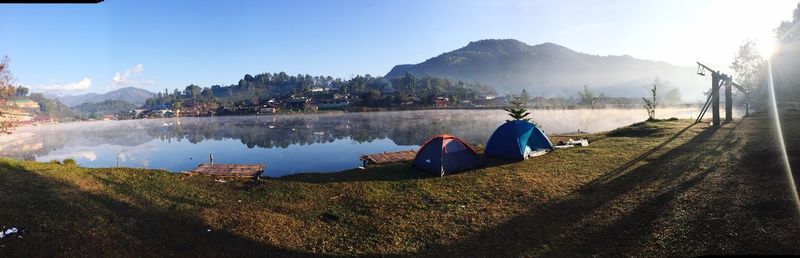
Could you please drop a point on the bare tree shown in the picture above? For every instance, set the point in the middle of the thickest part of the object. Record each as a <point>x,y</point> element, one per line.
<point>650,104</point>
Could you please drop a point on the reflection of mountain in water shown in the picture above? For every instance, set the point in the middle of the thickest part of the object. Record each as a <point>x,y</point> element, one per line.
<point>38,141</point>
<point>404,128</point>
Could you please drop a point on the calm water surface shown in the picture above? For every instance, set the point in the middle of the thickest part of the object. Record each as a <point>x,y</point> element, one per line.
<point>287,144</point>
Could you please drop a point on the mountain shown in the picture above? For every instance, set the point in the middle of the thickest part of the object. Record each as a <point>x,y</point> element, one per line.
<point>549,69</point>
<point>129,94</point>
<point>107,107</point>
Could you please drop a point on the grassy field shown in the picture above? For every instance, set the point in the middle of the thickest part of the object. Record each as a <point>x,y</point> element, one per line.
<point>650,189</point>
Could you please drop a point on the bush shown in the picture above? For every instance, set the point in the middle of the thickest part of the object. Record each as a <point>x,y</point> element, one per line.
<point>69,162</point>
<point>651,104</point>
<point>55,162</point>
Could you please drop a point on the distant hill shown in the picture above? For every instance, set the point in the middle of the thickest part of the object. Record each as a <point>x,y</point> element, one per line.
<point>553,70</point>
<point>132,95</point>
<point>107,107</point>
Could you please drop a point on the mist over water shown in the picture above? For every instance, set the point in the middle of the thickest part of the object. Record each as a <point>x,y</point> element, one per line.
<point>287,144</point>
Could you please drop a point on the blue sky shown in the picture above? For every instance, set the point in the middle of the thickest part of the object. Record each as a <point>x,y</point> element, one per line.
<point>72,49</point>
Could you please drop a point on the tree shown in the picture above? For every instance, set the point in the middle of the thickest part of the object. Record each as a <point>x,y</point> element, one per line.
<point>402,98</point>
<point>409,83</point>
<point>748,65</point>
<point>787,32</point>
<point>650,104</point>
<point>21,91</point>
<point>372,98</point>
<point>524,97</point>
<point>516,110</point>
<point>192,91</point>
<point>6,81</point>
<point>587,97</point>
<point>784,62</point>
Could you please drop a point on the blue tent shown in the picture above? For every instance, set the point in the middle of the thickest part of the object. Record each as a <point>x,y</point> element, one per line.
<point>445,154</point>
<point>516,140</point>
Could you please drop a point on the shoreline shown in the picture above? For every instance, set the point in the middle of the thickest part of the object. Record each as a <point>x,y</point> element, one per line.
<point>370,110</point>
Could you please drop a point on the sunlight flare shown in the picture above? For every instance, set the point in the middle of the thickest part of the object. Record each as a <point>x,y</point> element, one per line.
<point>784,155</point>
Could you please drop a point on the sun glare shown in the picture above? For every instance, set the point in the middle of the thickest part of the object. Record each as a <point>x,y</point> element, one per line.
<point>766,46</point>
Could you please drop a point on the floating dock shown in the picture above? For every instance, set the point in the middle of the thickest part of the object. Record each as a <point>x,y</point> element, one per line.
<point>388,157</point>
<point>228,170</point>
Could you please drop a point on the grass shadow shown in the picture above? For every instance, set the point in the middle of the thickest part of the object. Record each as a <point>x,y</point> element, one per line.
<point>584,224</point>
<point>61,218</point>
<point>703,135</point>
<point>398,171</point>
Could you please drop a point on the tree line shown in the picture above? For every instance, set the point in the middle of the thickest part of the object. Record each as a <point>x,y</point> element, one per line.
<point>366,90</point>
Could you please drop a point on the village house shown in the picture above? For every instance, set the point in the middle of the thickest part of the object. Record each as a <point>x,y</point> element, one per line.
<point>301,103</point>
<point>332,103</point>
<point>440,102</point>
<point>137,113</point>
<point>160,111</point>
<point>271,107</point>
<point>488,101</point>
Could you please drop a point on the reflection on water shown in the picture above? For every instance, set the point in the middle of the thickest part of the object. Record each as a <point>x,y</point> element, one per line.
<point>286,144</point>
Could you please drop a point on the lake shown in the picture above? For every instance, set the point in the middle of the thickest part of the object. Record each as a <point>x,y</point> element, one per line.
<point>287,144</point>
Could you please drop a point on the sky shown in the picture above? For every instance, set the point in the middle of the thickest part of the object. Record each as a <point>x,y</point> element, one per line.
<point>75,49</point>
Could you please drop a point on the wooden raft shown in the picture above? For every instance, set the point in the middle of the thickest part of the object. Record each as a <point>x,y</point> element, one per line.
<point>388,157</point>
<point>228,170</point>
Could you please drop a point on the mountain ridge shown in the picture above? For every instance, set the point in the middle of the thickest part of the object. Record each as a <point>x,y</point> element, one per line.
<point>549,69</point>
<point>133,95</point>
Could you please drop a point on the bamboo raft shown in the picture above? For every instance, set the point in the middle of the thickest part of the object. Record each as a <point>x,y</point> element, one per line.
<point>228,170</point>
<point>388,157</point>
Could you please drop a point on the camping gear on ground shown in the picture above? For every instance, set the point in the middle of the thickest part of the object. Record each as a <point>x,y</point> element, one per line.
<point>518,140</point>
<point>581,142</point>
<point>572,143</point>
<point>446,154</point>
<point>536,153</point>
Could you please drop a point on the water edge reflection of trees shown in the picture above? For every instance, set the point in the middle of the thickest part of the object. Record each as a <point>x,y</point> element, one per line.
<point>283,131</point>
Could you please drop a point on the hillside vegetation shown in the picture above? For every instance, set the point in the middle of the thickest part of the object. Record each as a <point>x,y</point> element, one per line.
<point>132,95</point>
<point>108,107</point>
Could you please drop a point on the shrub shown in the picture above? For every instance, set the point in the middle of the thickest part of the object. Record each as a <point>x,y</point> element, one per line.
<point>650,105</point>
<point>69,162</point>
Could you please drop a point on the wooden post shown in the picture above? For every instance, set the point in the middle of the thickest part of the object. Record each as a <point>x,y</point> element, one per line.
<point>747,104</point>
<point>715,79</point>
<point>728,99</point>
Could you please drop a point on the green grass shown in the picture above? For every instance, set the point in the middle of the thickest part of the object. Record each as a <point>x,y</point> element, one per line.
<point>543,206</point>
